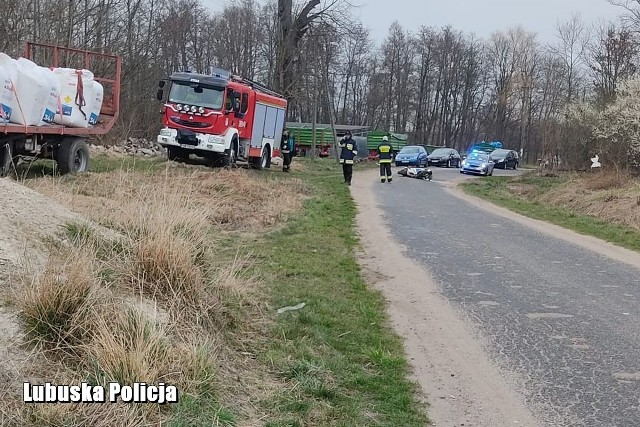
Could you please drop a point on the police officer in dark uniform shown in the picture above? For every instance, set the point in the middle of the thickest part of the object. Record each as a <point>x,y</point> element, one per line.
<point>385,155</point>
<point>348,152</point>
<point>285,149</point>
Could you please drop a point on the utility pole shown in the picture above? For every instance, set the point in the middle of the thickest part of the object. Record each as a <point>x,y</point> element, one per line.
<point>333,124</point>
<point>315,120</point>
<point>330,104</point>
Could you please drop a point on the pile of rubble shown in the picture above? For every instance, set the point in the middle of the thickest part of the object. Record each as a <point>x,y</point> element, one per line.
<point>139,146</point>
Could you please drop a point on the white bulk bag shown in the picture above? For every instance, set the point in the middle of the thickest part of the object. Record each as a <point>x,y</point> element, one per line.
<point>76,95</point>
<point>53,96</point>
<point>8,79</point>
<point>32,94</point>
<point>96,103</point>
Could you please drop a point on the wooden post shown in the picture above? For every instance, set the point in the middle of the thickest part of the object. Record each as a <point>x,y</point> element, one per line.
<point>313,127</point>
<point>331,116</point>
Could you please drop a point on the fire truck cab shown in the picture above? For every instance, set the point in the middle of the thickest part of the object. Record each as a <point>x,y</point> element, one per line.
<point>221,117</point>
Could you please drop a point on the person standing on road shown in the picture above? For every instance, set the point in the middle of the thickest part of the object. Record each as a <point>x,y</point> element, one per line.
<point>348,152</point>
<point>285,149</point>
<point>385,155</point>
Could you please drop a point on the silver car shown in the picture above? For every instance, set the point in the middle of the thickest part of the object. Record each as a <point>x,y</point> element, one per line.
<point>478,162</point>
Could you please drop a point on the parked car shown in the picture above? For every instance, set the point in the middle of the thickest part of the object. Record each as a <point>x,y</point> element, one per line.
<point>411,155</point>
<point>505,159</point>
<point>478,162</point>
<point>444,157</point>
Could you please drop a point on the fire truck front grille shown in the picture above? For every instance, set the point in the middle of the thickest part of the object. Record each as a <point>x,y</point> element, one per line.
<point>190,123</point>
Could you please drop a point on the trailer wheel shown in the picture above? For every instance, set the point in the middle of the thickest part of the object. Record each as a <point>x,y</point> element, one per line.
<point>232,156</point>
<point>264,162</point>
<point>73,155</point>
<point>6,159</point>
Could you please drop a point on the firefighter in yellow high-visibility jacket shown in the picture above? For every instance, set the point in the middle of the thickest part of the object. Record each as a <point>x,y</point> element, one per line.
<point>385,156</point>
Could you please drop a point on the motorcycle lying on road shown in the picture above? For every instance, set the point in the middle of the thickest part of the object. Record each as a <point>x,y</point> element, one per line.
<point>418,173</point>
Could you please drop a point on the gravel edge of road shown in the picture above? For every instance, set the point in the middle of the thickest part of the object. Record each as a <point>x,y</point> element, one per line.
<point>461,384</point>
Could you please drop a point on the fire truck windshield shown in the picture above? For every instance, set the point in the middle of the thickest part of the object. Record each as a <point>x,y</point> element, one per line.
<point>200,96</point>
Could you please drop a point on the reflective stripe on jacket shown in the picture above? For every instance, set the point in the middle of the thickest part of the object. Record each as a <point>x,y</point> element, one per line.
<point>385,151</point>
<point>349,151</point>
<point>285,145</point>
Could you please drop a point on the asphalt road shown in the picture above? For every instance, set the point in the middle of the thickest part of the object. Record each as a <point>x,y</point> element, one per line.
<point>560,317</point>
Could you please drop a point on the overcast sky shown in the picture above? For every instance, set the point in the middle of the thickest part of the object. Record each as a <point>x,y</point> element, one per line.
<point>481,17</point>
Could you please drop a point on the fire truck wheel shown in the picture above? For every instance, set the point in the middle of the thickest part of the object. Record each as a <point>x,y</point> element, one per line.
<point>264,162</point>
<point>232,156</point>
<point>177,154</point>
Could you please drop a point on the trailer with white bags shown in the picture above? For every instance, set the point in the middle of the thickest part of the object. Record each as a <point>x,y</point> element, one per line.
<point>51,112</point>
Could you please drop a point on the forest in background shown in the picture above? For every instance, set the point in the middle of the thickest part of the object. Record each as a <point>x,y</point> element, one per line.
<point>561,102</point>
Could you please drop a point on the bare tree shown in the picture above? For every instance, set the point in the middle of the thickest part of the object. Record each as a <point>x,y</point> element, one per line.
<point>397,60</point>
<point>291,30</point>
<point>613,57</point>
<point>355,52</point>
<point>503,72</point>
<point>572,49</point>
<point>631,16</point>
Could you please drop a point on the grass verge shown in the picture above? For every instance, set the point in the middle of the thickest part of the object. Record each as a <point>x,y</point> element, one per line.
<point>580,203</point>
<point>341,362</point>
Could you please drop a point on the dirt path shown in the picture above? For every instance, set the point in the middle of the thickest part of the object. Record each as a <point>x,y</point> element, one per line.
<point>461,385</point>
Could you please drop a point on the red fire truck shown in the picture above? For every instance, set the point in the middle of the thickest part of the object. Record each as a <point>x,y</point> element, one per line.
<point>221,117</point>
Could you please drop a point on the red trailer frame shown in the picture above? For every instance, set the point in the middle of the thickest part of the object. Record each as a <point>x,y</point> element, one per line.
<point>66,145</point>
<point>110,105</point>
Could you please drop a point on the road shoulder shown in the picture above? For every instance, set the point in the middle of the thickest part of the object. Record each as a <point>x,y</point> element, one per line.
<point>459,381</point>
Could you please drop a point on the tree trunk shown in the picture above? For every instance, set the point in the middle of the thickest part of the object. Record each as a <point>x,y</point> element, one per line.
<point>290,32</point>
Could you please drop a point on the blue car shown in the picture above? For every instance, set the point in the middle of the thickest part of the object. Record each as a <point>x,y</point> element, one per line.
<point>478,162</point>
<point>412,155</point>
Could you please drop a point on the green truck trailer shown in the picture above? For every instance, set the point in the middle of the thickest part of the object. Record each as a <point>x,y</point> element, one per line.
<point>304,137</point>
<point>397,140</point>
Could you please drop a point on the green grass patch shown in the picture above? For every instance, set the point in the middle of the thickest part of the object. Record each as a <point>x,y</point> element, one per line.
<point>498,190</point>
<point>97,163</point>
<point>342,362</point>
<point>201,412</point>
<point>82,235</point>
<point>102,163</point>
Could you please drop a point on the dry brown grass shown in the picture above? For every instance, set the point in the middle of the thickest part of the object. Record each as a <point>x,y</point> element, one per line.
<point>81,415</point>
<point>154,304</point>
<point>248,205</point>
<point>607,196</point>
<point>56,304</point>
<point>605,180</point>
<point>195,360</point>
<point>167,267</point>
<point>128,347</point>
<point>229,199</point>
<point>109,339</point>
